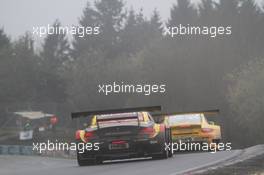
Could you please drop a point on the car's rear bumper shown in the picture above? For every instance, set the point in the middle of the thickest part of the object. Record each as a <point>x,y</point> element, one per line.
<point>137,148</point>
<point>192,138</point>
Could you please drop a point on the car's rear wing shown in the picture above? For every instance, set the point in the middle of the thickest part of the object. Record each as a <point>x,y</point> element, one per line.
<point>205,112</point>
<point>115,111</point>
<point>124,116</point>
<point>119,117</point>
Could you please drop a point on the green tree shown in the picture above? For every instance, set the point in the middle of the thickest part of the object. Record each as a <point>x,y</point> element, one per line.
<point>18,74</point>
<point>227,12</point>
<point>249,37</point>
<point>109,15</point>
<point>246,100</point>
<point>4,40</point>
<point>55,51</point>
<point>156,25</point>
<point>5,65</point>
<point>207,12</point>
<point>139,32</point>
<point>183,13</point>
<point>55,56</point>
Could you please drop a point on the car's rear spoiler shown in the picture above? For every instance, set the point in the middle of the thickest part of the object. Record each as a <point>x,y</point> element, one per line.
<point>109,117</point>
<point>115,111</point>
<point>206,112</point>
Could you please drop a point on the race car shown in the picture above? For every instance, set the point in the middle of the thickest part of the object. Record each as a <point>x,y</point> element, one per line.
<point>193,127</point>
<point>123,133</point>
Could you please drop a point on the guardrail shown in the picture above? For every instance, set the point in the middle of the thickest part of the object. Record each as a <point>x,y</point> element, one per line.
<point>15,150</point>
<point>28,150</point>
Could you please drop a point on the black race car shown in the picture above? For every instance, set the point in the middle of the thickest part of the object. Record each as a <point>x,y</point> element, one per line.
<point>118,134</point>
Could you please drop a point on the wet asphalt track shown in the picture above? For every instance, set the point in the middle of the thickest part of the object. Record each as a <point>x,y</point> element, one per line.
<point>26,165</point>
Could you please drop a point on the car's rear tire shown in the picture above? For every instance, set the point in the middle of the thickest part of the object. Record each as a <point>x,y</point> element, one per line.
<point>82,162</point>
<point>165,152</point>
<point>163,155</point>
<point>169,142</point>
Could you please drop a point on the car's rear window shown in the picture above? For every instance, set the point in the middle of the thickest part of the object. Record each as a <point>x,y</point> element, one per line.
<point>187,118</point>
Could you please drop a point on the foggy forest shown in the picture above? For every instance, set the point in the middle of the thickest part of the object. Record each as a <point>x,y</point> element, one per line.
<point>200,72</point>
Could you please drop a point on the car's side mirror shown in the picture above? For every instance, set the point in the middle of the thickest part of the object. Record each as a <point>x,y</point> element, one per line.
<point>211,123</point>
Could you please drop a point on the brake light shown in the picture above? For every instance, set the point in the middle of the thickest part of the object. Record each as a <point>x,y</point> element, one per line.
<point>148,131</point>
<point>77,135</point>
<point>162,127</point>
<point>207,130</point>
<point>88,135</point>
